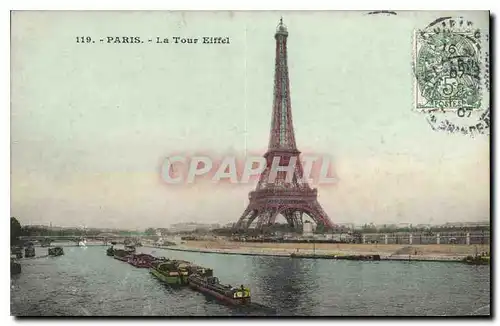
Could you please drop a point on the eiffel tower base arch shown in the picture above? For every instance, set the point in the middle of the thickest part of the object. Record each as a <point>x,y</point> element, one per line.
<point>293,212</point>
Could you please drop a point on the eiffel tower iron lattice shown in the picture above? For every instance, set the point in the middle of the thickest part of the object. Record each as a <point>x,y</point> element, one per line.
<point>275,192</point>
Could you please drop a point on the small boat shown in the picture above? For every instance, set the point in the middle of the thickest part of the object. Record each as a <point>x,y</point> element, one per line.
<point>82,243</point>
<point>477,260</point>
<point>169,272</point>
<point>56,251</point>
<point>17,251</point>
<point>226,293</point>
<point>15,267</point>
<point>110,251</point>
<point>141,260</point>
<point>29,251</point>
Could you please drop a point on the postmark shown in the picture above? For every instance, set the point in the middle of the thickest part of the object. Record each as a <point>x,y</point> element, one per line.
<point>474,125</point>
<point>451,76</point>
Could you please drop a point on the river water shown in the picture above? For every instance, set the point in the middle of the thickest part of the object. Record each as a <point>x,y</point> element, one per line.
<point>86,282</point>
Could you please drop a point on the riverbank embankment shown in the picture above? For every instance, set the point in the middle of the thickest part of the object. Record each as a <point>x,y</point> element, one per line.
<point>329,250</point>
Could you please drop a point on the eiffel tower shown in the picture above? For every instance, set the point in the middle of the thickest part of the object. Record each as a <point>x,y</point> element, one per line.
<point>275,193</point>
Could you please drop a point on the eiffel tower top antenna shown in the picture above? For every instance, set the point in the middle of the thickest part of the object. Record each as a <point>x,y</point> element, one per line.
<point>281,28</point>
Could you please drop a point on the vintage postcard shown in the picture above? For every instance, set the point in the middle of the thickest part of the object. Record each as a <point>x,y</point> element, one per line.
<point>238,163</point>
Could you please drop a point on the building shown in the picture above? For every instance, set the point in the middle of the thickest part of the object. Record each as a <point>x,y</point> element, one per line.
<point>347,226</point>
<point>192,226</point>
<point>308,229</point>
<point>452,225</point>
<point>423,226</point>
<point>343,228</point>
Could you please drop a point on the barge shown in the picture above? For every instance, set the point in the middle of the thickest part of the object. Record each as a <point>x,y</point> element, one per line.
<point>477,260</point>
<point>202,271</point>
<point>16,251</point>
<point>142,260</point>
<point>121,254</point>
<point>346,257</point>
<point>29,252</point>
<point>226,293</point>
<point>15,267</point>
<point>169,272</point>
<point>56,251</point>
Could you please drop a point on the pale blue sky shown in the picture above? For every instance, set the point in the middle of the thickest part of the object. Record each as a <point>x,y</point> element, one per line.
<point>91,122</point>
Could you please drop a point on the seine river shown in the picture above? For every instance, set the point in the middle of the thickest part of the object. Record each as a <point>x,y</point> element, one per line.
<point>85,282</point>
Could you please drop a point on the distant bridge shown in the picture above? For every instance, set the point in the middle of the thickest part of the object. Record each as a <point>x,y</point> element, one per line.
<point>77,238</point>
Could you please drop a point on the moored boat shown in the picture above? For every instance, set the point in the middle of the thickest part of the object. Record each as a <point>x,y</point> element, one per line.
<point>141,260</point>
<point>17,251</point>
<point>121,254</point>
<point>110,251</point>
<point>29,251</point>
<point>226,293</point>
<point>477,260</point>
<point>15,267</point>
<point>169,272</point>
<point>56,251</point>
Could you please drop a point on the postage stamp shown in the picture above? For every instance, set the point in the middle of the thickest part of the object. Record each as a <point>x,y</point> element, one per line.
<point>448,64</point>
<point>452,76</point>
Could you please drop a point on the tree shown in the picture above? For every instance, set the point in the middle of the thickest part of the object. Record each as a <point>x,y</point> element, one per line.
<point>15,230</point>
<point>163,231</point>
<point>320,228</point>
<point>150,231</point>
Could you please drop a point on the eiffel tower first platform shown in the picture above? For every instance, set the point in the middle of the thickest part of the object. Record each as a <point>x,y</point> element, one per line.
<point>289,197</point>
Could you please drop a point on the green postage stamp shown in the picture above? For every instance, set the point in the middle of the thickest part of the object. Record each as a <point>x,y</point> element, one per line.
<point>449,66</point>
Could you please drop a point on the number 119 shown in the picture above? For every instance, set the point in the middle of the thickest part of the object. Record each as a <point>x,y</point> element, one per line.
<point>83,39</point>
